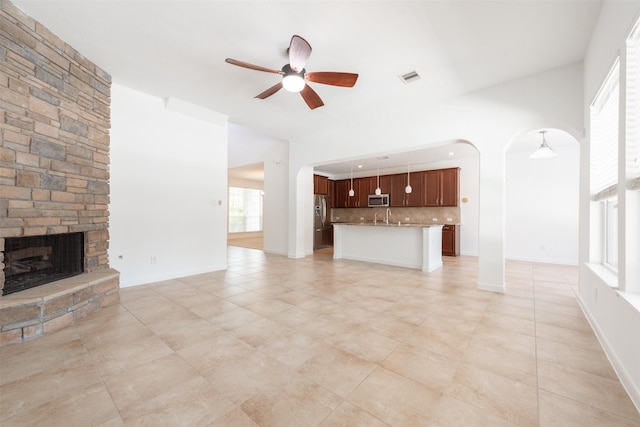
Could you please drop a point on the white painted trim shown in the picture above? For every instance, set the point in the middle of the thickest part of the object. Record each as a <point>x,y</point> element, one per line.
<point>275,252</point>
<point>491,287</point>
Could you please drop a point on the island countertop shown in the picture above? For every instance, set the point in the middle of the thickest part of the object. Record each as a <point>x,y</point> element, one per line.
<point>395,224</point>
<point>405,245</point>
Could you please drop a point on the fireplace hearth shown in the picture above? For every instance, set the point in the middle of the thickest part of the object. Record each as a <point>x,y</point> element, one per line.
<point>36,260</point>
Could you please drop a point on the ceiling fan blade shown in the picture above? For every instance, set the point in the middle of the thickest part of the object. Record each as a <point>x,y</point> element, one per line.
<point>311,97</point>
<point>252,66</point>
<point>267,93</point>
<point>332,78</point>
<point>299,53</point>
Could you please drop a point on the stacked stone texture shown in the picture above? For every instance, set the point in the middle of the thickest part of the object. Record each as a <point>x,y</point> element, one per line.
<point>54,133</point>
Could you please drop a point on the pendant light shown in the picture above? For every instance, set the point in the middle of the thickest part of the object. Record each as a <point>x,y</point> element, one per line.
<point>544,151</point>
<point>351,192</point>
<point>408,188</point>
<point>378,191</point>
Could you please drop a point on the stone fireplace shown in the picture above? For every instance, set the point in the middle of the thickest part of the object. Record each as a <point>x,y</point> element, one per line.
<point>37,260</point>
<point>54,180</point>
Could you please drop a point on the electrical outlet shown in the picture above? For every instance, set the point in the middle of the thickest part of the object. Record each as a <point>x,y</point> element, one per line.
<point>337,218</point>
<point>361,218</point>
<point>407,219</point>
<point>434,219</point>
<point>154,260</point>
<point>449,219</point>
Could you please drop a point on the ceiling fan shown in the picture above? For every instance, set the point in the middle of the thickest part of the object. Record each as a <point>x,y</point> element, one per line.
<point>295,77</point>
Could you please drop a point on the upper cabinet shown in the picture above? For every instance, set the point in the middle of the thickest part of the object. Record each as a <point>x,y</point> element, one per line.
<point>320,185</point>
<point>429,188</point>
<point>341,194</point>
<point>398,195</point>
<point>441,187</point>
<point>362,188</point>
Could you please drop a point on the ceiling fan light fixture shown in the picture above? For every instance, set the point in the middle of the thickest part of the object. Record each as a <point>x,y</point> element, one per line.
<point>544,151</point>
<point>292,81</point>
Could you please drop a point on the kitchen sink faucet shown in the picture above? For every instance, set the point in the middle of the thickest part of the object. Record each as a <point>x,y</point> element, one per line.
<point>387,214</point>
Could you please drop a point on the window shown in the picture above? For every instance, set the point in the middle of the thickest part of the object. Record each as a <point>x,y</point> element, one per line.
<point>604,163</point>
<point>611,233</point>
<point>632,136</point>
<point>245,210</point>
<point>632,164</point>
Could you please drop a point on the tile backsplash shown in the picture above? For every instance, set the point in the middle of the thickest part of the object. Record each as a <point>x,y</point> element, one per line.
<point>444,215</point>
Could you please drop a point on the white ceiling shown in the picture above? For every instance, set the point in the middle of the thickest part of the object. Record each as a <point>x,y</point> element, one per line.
<point>177,48</point>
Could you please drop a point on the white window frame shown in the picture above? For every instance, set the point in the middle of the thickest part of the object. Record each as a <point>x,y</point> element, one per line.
<point>604,165</point>
<point>630,233</point>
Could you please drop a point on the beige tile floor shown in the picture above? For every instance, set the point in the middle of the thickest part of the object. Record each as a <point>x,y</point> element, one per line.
<point>280,342</point>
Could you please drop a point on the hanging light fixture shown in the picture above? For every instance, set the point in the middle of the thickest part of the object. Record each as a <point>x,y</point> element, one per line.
<point>408,188</point>
<point>351,192</point>
<point>544,151</point>
<point>378,191</point>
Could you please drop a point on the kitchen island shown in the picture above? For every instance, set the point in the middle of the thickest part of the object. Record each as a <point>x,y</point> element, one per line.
<point>404,245</point>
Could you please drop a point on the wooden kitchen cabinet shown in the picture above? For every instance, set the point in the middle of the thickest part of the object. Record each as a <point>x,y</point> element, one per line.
<point>341,193</point>
<point>397,194</point>
<point>450,240</point>
<point>441,187</point>
<point>320,185</point>
<point>362,189</point>
<point>432,188</point>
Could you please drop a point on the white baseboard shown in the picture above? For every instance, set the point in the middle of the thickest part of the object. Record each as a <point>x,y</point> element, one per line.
<point>625,379</point>
<point>543,261</point>
<point>275,252</point>
<point>492,287</point>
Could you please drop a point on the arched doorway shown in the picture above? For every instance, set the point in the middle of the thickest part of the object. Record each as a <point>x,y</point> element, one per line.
<point>542,199</point>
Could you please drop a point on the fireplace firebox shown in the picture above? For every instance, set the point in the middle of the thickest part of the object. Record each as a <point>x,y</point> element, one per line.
<point>36,260</point>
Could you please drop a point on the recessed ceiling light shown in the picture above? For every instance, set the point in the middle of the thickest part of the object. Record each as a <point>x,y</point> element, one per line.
<point>451,153</point>
<point>360,166</point>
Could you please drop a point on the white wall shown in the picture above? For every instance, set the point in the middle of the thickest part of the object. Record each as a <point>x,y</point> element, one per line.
<point>248,147</point>
<point>542,198</point>
<point>168,189</point>
<point>615,320</point>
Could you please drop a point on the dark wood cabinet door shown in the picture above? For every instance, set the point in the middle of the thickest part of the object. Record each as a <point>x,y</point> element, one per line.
<point>320,185</point>
<point>385,184</point>
<point>451,240</point>
<point>415,199</point>
<point>450,187</point>
<point>432,188</point>
<point>396,190</point>
<point>332,192</point>
<point>341,193</point>
<point>362,187</point>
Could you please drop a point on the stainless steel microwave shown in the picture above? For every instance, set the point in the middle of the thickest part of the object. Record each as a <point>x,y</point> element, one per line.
<point>378,200</point>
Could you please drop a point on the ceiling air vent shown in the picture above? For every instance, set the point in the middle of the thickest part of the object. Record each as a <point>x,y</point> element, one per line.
<point>409,77</point>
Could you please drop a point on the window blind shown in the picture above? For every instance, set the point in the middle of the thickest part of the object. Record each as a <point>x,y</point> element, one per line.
<point>632,147</point>
<point>604,137</point>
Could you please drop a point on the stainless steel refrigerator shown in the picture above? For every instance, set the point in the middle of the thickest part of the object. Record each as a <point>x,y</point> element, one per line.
<point>321,221</point>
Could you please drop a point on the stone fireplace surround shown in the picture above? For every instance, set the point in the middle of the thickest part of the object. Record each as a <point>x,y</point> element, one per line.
<point>54,170</point>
